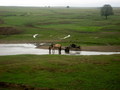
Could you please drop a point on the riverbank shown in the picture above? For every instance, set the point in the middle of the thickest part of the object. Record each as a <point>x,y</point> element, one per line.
<point>101,48</point>
<point>112,48</point>
<point>93,48</point>
<point>28,48</point>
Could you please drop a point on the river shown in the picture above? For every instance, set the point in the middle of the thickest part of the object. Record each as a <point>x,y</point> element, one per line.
<point>18,49</point>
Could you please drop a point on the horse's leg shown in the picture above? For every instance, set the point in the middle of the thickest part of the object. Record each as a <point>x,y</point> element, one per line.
<point>67,50</point>
<point>53,50</point>
<point>49,50</point>
<point>59,50</point>
<point>80,49</point>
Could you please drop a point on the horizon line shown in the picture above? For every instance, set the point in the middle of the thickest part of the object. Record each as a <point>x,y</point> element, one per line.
<point>53,6</point>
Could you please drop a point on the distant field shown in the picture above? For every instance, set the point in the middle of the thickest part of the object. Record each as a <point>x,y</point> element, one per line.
<point>59,72</point>
<point>85,25</point>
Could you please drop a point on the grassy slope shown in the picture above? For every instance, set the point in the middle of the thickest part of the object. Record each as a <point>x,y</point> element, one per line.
<point>85,26</point>
<point>62,72</point>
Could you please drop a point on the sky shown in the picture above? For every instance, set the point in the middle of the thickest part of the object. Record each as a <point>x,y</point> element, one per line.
<point>74,3</point>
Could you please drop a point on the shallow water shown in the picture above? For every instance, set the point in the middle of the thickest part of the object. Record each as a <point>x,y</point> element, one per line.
<point>17,49</point>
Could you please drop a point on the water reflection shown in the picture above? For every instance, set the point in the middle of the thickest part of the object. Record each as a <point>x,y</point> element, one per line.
<point>16,49</point>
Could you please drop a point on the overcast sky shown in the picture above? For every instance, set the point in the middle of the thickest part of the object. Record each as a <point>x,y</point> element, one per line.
<point>77,3</point>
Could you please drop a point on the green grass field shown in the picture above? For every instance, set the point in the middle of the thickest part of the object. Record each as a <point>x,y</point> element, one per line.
<point>85,25</point>
<point>62,72</point>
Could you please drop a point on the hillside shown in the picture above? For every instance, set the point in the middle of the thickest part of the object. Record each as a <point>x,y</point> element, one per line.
<point>84,25</point>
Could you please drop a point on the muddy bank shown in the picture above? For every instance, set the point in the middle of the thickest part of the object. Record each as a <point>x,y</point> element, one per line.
<point>12,86</point>
<point>101,48</point>
<point>94,48</point>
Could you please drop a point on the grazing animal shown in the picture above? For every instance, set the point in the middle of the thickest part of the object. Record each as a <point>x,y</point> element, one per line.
<point>53,47</point>
<point>67,50</point>
<point>72,47</point>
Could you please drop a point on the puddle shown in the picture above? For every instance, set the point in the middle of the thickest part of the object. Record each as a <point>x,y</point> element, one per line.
<point>17,49</point>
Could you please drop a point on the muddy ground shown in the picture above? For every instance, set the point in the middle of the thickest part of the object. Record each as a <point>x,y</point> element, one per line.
<point>101,48</point>
<point>12,86</point>
<point>9,31</point>
<point>94,48</point>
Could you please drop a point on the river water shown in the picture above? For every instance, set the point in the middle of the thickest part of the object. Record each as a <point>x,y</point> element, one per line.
<point>18,49</point>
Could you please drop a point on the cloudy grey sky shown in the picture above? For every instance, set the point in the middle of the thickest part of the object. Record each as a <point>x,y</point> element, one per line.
<point>77,3</point>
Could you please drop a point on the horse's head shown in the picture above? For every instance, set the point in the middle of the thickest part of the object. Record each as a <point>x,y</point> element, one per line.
<point>73,45</point>
<point>52,44</point>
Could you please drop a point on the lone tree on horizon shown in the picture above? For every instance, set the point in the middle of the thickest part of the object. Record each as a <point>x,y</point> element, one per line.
<point>106,10</point>
<point>68,7</point>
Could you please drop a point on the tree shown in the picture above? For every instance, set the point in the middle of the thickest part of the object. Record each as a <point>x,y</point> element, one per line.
<point>106,10</point>
<point>68,7</point>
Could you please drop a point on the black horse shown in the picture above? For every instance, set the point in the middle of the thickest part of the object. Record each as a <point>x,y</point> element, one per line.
<point>72,47</point>
<point>75,46</point>
<point>67,49</point>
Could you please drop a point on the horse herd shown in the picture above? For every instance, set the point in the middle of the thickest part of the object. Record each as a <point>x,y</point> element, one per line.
<point>53,47</point>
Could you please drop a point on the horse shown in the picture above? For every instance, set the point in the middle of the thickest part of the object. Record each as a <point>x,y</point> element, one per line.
<point>75,47</point>
<point>67,50</point>
<point>53,47</point>
<point>72,47</point>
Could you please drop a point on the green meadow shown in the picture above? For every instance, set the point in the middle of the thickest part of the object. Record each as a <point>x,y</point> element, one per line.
<point>85,25</point>
<point>59,72</point>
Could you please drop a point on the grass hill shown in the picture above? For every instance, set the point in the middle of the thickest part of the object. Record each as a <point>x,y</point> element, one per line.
<point>85,25</point>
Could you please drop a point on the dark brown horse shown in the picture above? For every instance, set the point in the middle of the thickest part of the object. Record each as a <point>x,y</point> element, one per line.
<point>53,47</point>
<point>72,47</point>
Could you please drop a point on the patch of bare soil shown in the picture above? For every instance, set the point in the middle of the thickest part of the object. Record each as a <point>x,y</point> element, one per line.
<point>117,24</point>
<point>48,23</point>
<point>101,48</point>
<point>12,86</point>
<point>93,48</point>
<point>1,21</point>
<point>9,31</point>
